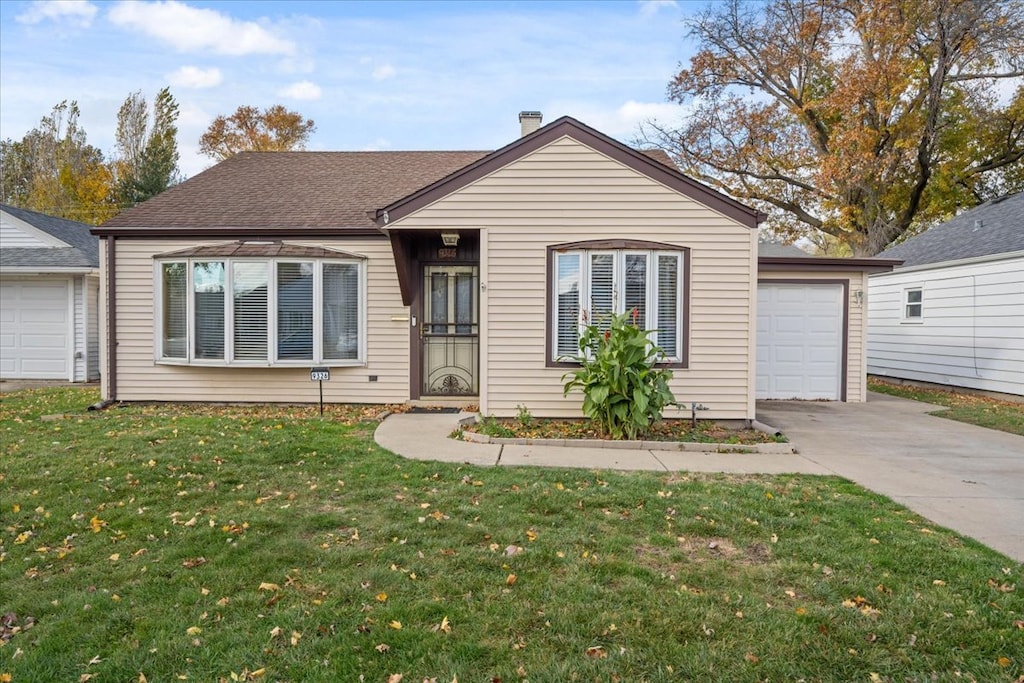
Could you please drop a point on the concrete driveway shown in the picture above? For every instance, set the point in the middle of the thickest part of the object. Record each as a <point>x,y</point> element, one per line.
<point>967,478</point>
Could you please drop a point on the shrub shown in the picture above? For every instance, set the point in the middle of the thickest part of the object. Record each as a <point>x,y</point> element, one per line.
<point>622,389</point>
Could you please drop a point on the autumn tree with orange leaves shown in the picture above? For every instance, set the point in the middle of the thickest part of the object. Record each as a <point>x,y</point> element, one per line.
<point>855,120</point>
<point>274,129</point>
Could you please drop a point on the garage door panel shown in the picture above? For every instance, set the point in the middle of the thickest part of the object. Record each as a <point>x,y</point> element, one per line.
<point>36,340</point>
<point>799,343</point>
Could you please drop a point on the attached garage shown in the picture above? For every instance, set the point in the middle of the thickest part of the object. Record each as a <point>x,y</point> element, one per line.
<point>801,340</point>
<point>811,325</point>
<point>36,335</point>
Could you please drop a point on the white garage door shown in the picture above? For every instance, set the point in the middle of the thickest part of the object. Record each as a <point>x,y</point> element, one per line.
<point>35,338</point>
<point>799,341</point>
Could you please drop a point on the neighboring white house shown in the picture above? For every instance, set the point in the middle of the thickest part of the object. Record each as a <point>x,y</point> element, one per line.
<point>954,312</point>
<point>49,297</point>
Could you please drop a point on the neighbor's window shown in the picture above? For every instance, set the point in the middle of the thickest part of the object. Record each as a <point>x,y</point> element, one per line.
<point>590,285</point>
<point>258,312</point>
<point>913,304</point>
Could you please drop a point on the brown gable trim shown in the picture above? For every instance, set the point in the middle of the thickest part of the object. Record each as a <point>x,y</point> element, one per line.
<point>567,126</point>
<point>258,250</point>
<point>237,232</point>
<point>867,265</point>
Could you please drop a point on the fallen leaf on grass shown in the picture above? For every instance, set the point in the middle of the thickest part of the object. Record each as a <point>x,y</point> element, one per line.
<point>96,524</point>
<point>1004,662</point>
<point>269,587</point>
<point>510,579</point>
<point>382,648</point>
<point>443,627</point>
<point>193,630</point>
<point>596,652</point>
<point>382,597</point>
<point>397,625</point>
<point>752,658</point>
<point>395,678</point>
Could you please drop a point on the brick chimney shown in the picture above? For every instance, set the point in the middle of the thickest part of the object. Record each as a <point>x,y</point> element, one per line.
<point>529,121</point>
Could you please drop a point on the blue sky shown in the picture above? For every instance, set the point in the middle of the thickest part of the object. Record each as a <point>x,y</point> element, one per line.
<point>373,75</point>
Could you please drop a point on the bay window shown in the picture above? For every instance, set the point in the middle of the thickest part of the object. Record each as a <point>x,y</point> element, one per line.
<point>253,311</point>
<point>615,277</point>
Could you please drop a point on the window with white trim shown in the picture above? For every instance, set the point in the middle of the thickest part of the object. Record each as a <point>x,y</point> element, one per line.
<point>251,311</point>
<point>591,285</point>
<point>913,304</point>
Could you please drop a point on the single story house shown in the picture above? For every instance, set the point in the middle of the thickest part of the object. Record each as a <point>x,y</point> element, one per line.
<point>953,314</point>
<point>49,298</point>
<point>422,276</point>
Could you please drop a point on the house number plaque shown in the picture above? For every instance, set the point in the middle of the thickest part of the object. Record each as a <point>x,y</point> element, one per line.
<point>447,253</point>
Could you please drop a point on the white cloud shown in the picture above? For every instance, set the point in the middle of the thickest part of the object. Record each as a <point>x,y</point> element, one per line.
<point>378,145</point>
<point>76,12</point>
<point>383,72</point>
<point>191,29</point>
<point>624,121</point>
<point>303,90</point>
<point>194,77</point>
<point>648,8</point>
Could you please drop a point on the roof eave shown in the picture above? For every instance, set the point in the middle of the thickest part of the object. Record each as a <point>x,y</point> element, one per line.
<point>237,232</point>
<point>867,265</point>
<point>1002,256</point>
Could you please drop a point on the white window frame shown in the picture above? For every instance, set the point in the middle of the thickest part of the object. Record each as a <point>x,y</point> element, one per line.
<point>905,303</point>
<point>618,293</point>
<point>272,304</point>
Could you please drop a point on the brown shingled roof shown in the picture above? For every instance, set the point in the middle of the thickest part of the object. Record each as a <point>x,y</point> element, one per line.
<point>293,190</point>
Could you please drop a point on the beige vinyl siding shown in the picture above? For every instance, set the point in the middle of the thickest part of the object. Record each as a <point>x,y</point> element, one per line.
<point>141,378</point>
<point>567,192</point>
<point>857,340</point>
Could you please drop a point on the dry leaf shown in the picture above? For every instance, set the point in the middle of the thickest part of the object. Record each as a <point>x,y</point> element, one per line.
<point>269,587</point>
<point>397,625</point>
<point>296,636</point>
<point>382,648</point>
<point>193,630</point>
<point>510,579</point>
<point>395,678</point>
<point>596,652</point>
<point>752,658</point>
<point>382,597</point>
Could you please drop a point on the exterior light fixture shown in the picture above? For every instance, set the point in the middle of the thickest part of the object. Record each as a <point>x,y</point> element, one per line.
<point>450,239</point>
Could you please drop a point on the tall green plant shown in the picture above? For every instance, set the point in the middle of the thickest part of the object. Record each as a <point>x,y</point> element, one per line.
<point>622,388</point>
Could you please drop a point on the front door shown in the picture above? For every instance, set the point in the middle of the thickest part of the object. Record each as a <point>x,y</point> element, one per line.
<point>449,333</point>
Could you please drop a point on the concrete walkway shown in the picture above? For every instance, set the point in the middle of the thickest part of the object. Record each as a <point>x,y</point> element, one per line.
<point>967,478</point>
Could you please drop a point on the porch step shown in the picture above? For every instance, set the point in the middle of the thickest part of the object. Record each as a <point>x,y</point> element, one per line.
<point>445,402</point>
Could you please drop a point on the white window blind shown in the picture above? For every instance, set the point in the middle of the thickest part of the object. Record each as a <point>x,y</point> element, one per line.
<point>668,305</point>
<point>174,280</point>
<point>250,284</point>
<point>567,304</point>
<point>617,282</point>
<point>252,311</point>
<point>341,313</point>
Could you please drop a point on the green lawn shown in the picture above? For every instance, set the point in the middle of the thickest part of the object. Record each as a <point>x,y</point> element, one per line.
<point>984,411</point>
<point>195,543</point>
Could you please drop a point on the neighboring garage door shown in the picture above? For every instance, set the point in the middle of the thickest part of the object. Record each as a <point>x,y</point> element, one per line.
<point>799,341</point>
<point>35,338</point>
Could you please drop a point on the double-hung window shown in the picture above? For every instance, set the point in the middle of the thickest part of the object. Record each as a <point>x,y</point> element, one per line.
<point>591,284</point>
<point>260,311</point>
<point>913,304</point>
